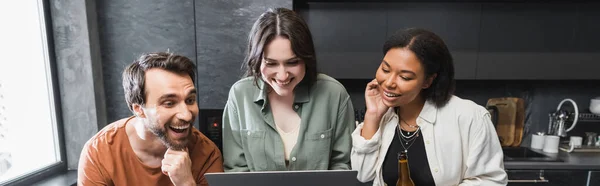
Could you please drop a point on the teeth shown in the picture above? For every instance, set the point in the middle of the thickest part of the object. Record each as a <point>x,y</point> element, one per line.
<point>181,127</point>
<point>391,95</point>
<point>283,83</point>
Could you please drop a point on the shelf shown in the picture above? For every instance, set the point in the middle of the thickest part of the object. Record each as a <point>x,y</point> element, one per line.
<point>586,117</point>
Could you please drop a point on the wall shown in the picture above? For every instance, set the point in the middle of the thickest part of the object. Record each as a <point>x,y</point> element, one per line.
<point>222,28</point>
<point>212,33</point>
<point>130,28</point>
<point>79,73</point>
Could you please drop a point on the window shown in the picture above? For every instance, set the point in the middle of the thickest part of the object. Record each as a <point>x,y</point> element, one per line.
<point>29,135</point>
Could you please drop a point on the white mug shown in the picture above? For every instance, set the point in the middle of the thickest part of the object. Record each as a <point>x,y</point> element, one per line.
<point>576,141</point>
<point>551,144</point>
<point>537,141</point>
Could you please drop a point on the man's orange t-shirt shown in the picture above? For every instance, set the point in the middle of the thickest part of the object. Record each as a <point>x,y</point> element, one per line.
<point>108,159</point>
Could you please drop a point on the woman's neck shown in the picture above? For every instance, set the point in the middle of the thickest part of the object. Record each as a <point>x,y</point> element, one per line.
<point>411,111</point>
<point>274,97</point>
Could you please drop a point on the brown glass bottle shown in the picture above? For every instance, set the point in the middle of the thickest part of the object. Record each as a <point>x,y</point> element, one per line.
<point>403,171</point>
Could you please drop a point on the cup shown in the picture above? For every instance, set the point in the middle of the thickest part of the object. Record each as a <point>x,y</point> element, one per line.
<point>576,141</point>
<point>551,144</point>
<point>537,141</point>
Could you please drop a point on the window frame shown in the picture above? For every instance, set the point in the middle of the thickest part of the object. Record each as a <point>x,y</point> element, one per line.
<point>59,167</point>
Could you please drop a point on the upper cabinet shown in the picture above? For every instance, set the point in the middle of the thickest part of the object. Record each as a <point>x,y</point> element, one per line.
<point>348,38</point>
<point>527,41</point>
<point>457,23</point>
<point>517,41</point>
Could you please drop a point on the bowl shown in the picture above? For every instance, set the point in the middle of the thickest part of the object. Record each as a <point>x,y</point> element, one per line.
<point>595,105</point>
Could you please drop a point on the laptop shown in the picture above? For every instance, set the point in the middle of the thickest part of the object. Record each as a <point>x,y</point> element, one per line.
<point>289,178</point>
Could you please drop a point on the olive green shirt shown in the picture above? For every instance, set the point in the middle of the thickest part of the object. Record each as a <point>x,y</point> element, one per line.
<point>252,143</point>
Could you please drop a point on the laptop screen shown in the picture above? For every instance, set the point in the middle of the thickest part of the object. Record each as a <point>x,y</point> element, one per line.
<point>278,178</point>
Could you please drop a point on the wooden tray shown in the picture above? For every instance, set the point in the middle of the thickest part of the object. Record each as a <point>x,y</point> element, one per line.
<point>507,114</point>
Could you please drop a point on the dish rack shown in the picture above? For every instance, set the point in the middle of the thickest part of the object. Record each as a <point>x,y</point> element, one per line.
<point>585,117</point>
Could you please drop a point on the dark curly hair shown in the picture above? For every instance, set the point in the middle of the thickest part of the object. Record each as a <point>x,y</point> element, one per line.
<point>434,56</point>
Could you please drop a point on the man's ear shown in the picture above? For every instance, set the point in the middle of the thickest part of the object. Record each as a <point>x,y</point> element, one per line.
<point>429,81</point>
<point>138,110</point>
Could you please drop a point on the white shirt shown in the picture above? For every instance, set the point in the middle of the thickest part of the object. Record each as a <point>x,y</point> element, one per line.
<point>461,144</point>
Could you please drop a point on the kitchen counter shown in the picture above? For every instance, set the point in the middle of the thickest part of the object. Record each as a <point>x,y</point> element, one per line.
<point>571,161</point>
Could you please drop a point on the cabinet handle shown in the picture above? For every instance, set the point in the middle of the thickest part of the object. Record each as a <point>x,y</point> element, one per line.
<point>528,181</point>
<point>541,180</point>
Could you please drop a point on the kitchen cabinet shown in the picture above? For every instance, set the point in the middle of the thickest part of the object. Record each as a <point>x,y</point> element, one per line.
<point>553,177</point>
<point>488,40</point>
<point>594,178</point>
<point>348,38</point>
<point>456,23</point>
<point>526,41</point>
<point>585,62</point>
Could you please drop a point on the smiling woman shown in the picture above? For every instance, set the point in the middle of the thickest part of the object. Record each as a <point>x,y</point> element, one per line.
<point>29,137</point>
<point>284,112</point>
<point>413,117</point>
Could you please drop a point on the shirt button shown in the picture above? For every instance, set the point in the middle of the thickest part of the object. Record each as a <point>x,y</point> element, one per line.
<point>296,107</point>
<point>322,135</point>
<point>248,133</point>
<point>294,159</point>
<point>436,170</point>
<point>427,142</point>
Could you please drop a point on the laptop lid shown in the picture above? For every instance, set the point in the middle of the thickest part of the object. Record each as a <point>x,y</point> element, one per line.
<point>289,178</point>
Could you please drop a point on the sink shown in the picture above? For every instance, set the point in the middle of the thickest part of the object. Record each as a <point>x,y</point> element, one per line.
<point>526,154</point>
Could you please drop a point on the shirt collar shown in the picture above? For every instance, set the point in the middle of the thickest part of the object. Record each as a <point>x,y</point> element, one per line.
<point>301,94</point>
<point>429,112</point>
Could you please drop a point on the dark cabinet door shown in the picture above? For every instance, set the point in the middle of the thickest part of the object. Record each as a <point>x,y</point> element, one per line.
<point>594,178</point>
<point>527,41</point>
<point>585,62</point>
<point>456,23</point>
<point>348,38</point>
<point>547,177</point>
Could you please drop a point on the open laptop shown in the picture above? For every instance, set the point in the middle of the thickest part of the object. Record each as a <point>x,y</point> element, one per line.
<point>289,178</point>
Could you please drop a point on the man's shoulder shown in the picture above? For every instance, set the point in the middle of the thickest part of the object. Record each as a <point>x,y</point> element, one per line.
<point>106,138</point>
<point>204,143</point>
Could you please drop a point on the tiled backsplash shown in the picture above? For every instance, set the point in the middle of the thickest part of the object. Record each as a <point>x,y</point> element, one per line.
<point>541,98</point>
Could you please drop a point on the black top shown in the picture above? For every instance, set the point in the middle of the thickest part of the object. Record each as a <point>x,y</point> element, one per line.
<point>417,160</point>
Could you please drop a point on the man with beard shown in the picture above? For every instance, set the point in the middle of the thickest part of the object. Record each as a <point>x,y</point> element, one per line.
<point>157,146</point>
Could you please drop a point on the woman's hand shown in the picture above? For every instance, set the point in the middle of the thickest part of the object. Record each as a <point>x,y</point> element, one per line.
<point>374,101</point>
<point>375,109</point>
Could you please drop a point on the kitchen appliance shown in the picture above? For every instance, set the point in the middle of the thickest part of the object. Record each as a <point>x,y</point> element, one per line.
<point>210,125</point>
<point>558,119</point>
<point>590,138</point>
<point>508,116</point>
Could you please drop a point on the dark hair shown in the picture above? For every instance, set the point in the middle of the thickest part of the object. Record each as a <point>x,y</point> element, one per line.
<point>134,74</point>
<point>280,22</point>
<point>435,58</point>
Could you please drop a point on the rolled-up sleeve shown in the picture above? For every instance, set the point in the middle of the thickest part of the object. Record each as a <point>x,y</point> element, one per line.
<point>484,165</point>
<point>365,153</point>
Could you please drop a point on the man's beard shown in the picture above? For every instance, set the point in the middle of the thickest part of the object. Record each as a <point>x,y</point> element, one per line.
<point>161,133</point>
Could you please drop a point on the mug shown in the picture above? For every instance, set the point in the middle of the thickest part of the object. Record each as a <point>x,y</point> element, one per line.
<point>576,141</point>
<point>551,144</point>
<point>537,141</point>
